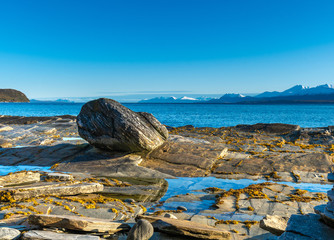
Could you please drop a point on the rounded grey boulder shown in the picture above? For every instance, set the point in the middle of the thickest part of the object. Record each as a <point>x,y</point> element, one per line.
<point>107,124</point>
<point>9,233</point>
<point>142,230</point>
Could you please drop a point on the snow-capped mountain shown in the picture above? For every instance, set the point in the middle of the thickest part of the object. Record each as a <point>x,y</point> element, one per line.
<point>295,94</point>
<point>230,98</point>
<point>183,99</point>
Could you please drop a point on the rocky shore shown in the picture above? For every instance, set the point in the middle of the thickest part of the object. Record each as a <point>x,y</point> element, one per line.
<point>109,177</point>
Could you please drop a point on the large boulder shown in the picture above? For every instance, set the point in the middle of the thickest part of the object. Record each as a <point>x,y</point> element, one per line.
<point>107,124</point>
<point>142,230</point>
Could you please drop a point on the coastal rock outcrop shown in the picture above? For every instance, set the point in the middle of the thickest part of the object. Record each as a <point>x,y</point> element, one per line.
<point>12,95</point>
<point>107,124</point>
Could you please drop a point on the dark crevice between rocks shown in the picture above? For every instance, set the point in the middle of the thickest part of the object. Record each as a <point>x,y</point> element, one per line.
<point>298,233</point>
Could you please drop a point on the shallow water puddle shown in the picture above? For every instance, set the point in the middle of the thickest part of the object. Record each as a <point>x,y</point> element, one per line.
<point>186,185</point>
<point>193,186</point>
<point>4,170</point>
<point>72,138</point>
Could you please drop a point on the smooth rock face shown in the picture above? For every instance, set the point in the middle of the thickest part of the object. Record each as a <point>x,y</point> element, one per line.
<point>9,233</point>
<point>18,193</point>
<point>308,226</point>
<point>187,228</point>
<point>274,224</point>
<point>328,212</point>
<point>48,235</point>
<point>142,230</point>
<point>19,177</point>
<point>77,223</point>
<point>59,176</point>
<point>108,124</point>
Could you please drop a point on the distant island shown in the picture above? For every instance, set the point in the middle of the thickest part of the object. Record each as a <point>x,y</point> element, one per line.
<point>12,95</point>
<point>297,94</point>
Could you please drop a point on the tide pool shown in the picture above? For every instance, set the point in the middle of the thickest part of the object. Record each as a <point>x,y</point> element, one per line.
<point>186,185</point>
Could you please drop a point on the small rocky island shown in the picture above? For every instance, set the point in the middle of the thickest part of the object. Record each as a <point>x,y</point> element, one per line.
<point>111,167</point>
<point>12,95</point>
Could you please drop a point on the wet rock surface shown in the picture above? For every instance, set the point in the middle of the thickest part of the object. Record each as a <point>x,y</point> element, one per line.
<point>107,124</point>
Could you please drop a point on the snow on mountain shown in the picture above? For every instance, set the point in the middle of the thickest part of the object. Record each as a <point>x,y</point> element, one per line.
<point>232,95</point>
<point>183,99</point>
<point>230,98</point>
<point>295,92</point>
<point>188,98</point>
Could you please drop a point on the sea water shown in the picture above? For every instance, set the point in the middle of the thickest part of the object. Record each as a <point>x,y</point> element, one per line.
<point>199,115</point>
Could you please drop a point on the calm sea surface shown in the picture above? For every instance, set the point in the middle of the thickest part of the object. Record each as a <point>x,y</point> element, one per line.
<point>199,115</point>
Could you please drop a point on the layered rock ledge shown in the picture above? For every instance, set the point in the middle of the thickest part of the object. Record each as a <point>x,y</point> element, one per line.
<point>278,152</point>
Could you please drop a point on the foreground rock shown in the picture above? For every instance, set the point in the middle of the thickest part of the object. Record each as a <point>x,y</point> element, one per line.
<point>52,189</point>
<point>186,228</point>
<point>304,227</point>
<point>274,224</point>
<point>77,223</point>
<point>327,213</point>
<point>19,178</point>
<point>108,124</point>
<point>48,235</point>
<point>9,233</point>
<point>142,230</point>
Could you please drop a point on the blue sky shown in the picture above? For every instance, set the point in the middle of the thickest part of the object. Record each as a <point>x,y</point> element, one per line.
<point>109,48</point>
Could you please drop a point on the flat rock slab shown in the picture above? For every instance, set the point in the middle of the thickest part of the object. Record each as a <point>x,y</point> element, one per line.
<point>48,235</point>
<point>274,224</point>
<point>307,227</point>
<point>19,178</point>
<point>271,128</point>
<point>9,233</point>
<point>200,155</point>
<point>18,193</point>
<point>186,228</point>
<point>77,223</point>
<point>59,176</point>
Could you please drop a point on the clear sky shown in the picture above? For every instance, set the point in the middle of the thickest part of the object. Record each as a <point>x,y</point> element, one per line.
<point>62,48</point>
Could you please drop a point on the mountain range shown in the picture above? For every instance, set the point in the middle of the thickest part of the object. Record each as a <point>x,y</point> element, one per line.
<point>295,94</point>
